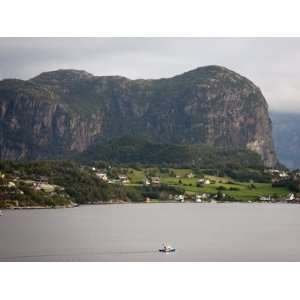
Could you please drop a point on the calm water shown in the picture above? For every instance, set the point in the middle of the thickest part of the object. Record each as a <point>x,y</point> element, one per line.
<point>134,232</point>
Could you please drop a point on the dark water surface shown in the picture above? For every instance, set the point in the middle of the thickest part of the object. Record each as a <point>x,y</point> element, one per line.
<point>134,232</point>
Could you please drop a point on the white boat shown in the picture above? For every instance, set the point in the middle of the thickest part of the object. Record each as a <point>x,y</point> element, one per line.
<point>1,213</point>
<point>167,248</point>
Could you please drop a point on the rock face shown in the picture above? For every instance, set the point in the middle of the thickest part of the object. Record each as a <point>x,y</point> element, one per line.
<point>65,111</point>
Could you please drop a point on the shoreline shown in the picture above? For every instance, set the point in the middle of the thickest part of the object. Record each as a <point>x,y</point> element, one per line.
<point>151,202</point>
<point>36,207</point>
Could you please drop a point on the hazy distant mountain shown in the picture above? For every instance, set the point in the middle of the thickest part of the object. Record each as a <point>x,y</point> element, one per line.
<point>286,135</point>
<point>66,111</point>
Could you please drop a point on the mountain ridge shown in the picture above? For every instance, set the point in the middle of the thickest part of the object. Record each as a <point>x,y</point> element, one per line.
<point>65,111</point>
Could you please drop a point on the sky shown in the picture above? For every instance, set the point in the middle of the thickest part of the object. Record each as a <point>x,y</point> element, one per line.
<point>273,64</point>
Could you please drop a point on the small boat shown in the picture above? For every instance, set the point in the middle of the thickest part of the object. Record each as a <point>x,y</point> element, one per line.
<point>167,248</point>
<point>1,213</point>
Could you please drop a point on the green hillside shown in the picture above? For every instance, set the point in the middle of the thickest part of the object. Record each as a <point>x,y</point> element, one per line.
<point>239,164</point>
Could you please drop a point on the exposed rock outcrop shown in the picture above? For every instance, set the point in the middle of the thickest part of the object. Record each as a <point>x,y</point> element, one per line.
<point>65,111</point>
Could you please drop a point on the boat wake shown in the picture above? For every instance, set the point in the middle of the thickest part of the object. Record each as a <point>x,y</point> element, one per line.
<point>75,256</point>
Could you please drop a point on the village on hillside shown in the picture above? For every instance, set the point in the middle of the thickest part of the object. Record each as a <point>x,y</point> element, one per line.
<point>154,185</point>
<point>211,188</point>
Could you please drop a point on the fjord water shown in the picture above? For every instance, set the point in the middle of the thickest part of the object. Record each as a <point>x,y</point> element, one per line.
<point>134,232</point>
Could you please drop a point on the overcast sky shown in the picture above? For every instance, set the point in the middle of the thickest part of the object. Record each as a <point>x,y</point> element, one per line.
<point>271,63</point>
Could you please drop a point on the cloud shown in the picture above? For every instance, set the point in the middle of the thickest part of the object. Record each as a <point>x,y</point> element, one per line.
<point>271,63</point>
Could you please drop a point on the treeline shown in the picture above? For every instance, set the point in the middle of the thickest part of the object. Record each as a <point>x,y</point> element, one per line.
<point>239,164</point>
<point>79,183</point>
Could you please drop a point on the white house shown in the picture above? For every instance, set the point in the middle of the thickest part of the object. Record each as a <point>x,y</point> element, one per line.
<point>190,175</point>
<point>291,196</point>
<point>11,184</point>
<point>155,180</point>
<point>123,178</point>
<point>204,196</point>
<point>102,176</point>
<point>283,174</point>
<point>46,187</point>
<point>203,181</point>
<point>147,181</point>
<point>179,198</point>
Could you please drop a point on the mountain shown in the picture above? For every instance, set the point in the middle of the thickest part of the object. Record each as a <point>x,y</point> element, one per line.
<point>286,135</point>
<point>66,111</point>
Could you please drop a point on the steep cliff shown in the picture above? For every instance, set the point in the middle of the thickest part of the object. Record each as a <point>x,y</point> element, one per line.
<point>65,111</point>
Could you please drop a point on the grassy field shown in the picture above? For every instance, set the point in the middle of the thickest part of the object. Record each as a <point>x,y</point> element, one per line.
<point>243,190</point>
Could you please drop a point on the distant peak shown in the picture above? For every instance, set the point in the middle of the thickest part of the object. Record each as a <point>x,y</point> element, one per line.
<point>63,75</point>
<point>215,72</point>
<point>211,69</point>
